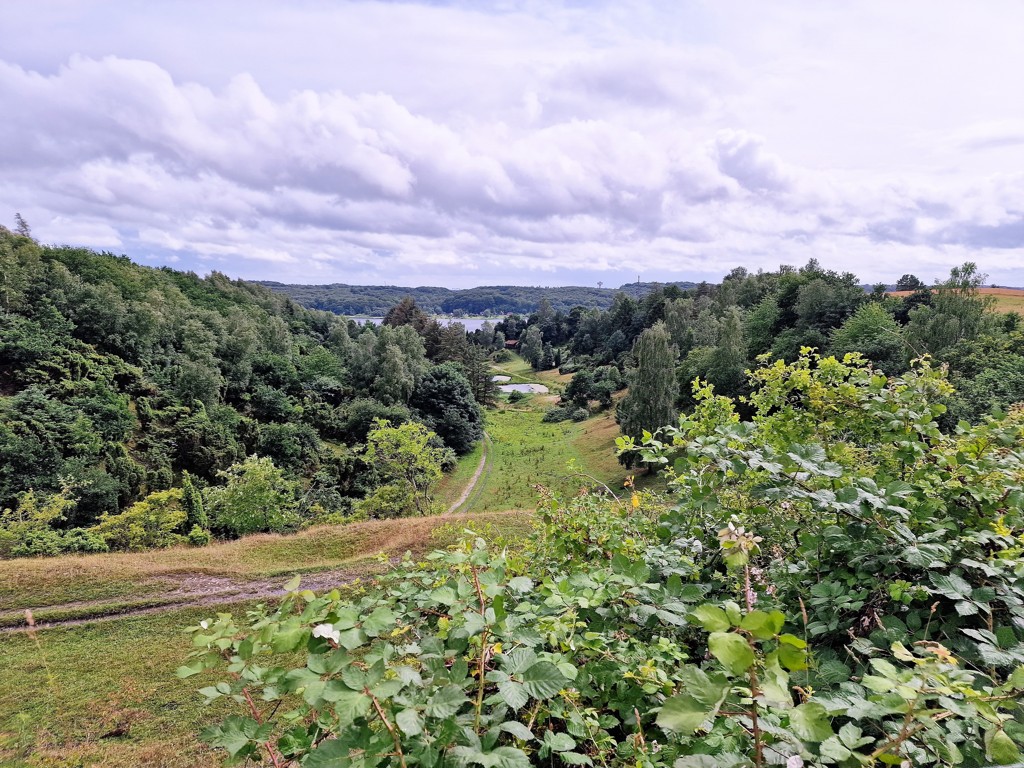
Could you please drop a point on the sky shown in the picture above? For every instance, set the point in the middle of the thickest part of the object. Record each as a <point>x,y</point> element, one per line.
<point>530,143</point>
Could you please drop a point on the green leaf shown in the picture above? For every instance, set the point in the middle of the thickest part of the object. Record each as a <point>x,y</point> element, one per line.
<point>763,625</point>
<point>682,714</point>
<point>543,680</point>
<point>352,638</point>
<point>378,621</point>
<point>517,729</point>
<point>521,584</point>
<point>1000,748</point>
<point>852,736</point>
<point>348,705</point>
<point>732,650</point>
<point>288,639</point>
<point>792,658</point>
<point>558,742</point>
<point>703,696</point>
<point>446,702</point>
<point>410,722</point>
<point>810,722</point>
<point>514,694</point>
<point>575,758</point>
<point>711,618</point>
<point>293,583</point>
<point>833,750</point>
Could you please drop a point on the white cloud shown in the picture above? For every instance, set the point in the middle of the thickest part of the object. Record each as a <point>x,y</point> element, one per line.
<point>378,142</point>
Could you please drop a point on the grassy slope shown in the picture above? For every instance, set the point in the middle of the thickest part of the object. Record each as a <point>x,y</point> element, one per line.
<point>528,452</point>
<point>67,692</point>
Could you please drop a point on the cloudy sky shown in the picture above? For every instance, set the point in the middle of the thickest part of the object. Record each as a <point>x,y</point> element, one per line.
<point>536,143</point>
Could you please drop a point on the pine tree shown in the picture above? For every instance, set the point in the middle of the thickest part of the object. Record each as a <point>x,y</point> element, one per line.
<point>21,226</point>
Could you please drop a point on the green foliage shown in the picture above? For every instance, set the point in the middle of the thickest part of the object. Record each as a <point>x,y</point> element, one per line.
<point>565,413</point>
<point>836,582</point>
<point>257,498</point>
<point>650,403</point>
<point>445,404</point>
<point>874,333</point>
<point>409,464</point>
<point>153,523</point>
<point>27,530</point>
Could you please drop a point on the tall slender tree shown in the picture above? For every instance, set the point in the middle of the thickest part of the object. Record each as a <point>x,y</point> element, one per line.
<point>650,403</point>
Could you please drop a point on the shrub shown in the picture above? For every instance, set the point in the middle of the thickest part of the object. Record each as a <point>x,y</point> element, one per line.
<point>836,582</point>
<point>257,498</point>
<point>516,396</point>
<point>199,537</point>
<point>155,522</point>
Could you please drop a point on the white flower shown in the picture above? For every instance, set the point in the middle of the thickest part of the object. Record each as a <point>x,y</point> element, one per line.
<point>204,624</point>
<point>328,631</point>
<point>795,762</point>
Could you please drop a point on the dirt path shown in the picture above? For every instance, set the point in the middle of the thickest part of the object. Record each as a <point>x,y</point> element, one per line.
<point>484,459</point>
<point>190,591</point>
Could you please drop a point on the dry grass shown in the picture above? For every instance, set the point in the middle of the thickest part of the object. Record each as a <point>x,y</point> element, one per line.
<point>42,582</point>
<point>1006,299</point>
<point>104,694</point>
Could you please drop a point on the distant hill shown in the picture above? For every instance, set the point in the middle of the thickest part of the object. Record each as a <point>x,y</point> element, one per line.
<point>376,300</point>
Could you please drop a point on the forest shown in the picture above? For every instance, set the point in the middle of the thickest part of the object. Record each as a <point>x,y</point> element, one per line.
<point>145,407</point>
<point>376,300</point>
<point>815,559</point>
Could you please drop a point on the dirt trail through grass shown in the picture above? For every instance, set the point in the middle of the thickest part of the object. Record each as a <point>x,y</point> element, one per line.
<point>484,464</point>
<point>76,590</point>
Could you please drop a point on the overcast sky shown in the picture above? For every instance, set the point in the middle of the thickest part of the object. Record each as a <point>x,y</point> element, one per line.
<point>533,143</point>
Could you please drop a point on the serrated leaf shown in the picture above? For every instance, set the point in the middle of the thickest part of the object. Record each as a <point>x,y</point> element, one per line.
<point>575,758</point>
<point>558,742</point>
<point>514,694</point>
<point>711,618</point>
<point>731,650</point>
<point>834,751</point>
<point>410,722</point>
<point>517,729</point>
<point>682,714</point>
<point>378,621</point>
<point>543,680</point>
<point>810,722</point>
<point>446,702</point>
<point>762,624</point>
<point>1000,748</point>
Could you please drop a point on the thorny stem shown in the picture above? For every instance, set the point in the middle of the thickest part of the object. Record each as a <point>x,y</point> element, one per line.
<point>274,757</point>
<point>387,724</point>
<point>755,685</point>
<point>906,733</point>
<point>483,651</point>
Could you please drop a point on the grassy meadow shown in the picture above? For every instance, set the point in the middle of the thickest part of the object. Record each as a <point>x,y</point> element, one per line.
<point>104,693</point>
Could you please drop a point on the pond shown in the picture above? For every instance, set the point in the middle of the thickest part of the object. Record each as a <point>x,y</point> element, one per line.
<point>529,388</point>
<point>501,379</point>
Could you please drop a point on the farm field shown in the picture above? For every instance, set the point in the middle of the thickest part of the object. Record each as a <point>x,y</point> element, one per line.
<point>1006,299</point>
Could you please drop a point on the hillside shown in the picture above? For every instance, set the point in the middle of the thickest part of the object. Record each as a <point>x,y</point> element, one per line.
<point>376,300</point>
<point>119,381</point>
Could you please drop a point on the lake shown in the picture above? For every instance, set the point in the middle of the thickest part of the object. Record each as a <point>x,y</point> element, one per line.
<point>471,323</point>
